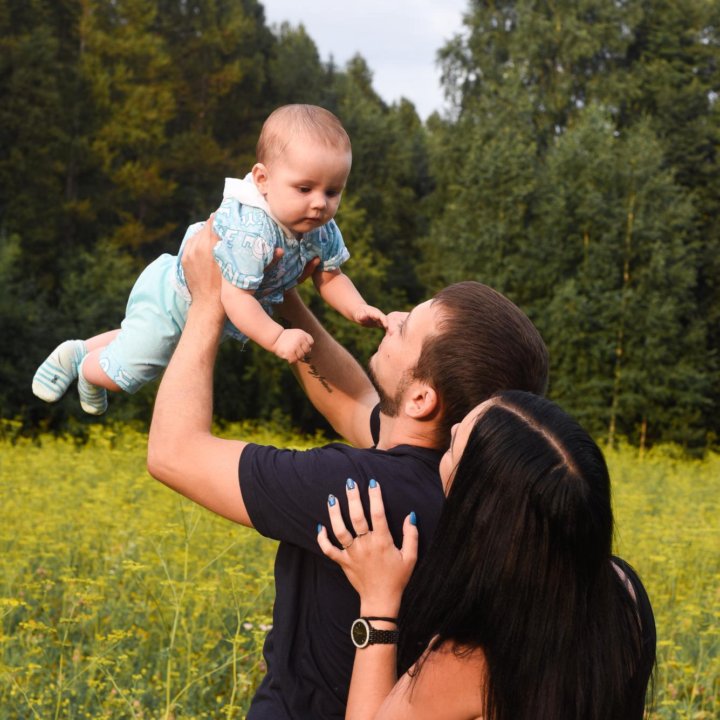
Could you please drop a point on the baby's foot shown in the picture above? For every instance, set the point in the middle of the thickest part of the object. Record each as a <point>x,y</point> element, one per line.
<point>93,398</point>
<point>54,376</point>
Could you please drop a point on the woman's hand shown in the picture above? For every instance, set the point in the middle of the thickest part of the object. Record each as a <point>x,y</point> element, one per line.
<point>374,566</point>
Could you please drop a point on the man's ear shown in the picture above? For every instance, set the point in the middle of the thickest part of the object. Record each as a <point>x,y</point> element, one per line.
<point>421,400</point>
<point>260,177</point>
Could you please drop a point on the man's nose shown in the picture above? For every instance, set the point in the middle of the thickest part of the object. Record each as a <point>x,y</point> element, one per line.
<point>394,319</point>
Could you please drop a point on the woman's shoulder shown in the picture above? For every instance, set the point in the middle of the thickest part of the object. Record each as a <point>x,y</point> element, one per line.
<point>631,580</point>
<point>632,583</point>
<point>447,682</point>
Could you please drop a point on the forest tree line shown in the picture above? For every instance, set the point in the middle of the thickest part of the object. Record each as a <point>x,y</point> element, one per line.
<point>576,170</point>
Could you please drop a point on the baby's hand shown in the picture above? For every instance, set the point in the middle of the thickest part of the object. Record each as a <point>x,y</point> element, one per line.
<point>292,345</point>
<point>370,316</point>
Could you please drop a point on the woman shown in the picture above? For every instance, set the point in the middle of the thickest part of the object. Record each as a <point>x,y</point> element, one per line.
<point>518,610</point>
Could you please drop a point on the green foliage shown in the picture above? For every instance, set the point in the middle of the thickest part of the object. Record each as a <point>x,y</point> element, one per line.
<point>618,263</point>
<point>296,72</point>
<point>18,312</point>
<point>388,178</point>
<point>33,136</point>
<point>486,170</point>
<point>575,175</point>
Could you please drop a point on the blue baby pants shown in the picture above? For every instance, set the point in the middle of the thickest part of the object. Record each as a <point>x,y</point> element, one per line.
<point>154,320</point>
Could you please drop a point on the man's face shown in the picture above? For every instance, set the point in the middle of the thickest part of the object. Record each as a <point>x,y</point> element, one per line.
<point>391,367</point>
<point>304,184</point>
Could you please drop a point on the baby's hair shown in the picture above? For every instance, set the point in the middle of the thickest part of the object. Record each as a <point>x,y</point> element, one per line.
<point>291,121</point>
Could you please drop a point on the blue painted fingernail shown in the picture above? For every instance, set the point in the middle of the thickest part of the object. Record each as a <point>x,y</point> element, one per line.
<point>331,500</point>
<point>373,483</point>
<point>350,484</point>
<point>413,518</point>
<point>319,528</point>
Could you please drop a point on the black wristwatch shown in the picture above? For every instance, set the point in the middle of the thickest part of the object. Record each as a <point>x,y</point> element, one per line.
<point>364,634</point>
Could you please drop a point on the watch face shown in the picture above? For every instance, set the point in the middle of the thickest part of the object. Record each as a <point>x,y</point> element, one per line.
<point>360,633</point>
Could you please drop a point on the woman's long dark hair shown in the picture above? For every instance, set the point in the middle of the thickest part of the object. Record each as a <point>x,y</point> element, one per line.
<point>520,567</point>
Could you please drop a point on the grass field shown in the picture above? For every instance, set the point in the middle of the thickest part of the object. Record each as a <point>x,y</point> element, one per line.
<point>119,599</point>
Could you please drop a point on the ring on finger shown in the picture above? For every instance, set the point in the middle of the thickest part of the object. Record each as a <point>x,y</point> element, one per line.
<point>345,547</point>
<point>361,534</point>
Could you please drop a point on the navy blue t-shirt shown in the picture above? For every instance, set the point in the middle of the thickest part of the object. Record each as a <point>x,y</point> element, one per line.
<point>308,652</point>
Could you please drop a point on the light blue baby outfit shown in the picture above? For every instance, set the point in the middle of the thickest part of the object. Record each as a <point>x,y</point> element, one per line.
<point>158,303</point>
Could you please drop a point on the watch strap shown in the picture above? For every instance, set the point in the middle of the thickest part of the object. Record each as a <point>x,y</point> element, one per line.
<point>383,637</point>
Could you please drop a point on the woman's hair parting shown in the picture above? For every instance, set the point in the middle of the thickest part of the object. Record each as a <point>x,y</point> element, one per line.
<point>520,566</point>
<point>289,122</point>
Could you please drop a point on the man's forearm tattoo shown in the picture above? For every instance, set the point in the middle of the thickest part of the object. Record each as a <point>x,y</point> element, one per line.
<point>314,373</point>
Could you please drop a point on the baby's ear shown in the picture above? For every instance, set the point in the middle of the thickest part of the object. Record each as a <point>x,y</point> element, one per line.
<point>260,177</point>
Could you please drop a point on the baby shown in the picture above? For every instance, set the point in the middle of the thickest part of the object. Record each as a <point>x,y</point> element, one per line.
<point>270,224</point>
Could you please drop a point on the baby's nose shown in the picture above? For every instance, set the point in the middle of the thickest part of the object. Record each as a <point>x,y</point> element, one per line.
<point>319,200</point>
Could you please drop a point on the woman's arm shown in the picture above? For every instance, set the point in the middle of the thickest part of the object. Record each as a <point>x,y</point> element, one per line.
<point>450,684</point>
<point>379,572</point>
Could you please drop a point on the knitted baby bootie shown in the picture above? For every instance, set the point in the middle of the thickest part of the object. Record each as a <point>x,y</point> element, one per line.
<point>54,376</point>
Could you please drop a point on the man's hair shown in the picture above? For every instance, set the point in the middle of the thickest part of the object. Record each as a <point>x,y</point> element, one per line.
<point>485,344</point>
<point>290,122</point>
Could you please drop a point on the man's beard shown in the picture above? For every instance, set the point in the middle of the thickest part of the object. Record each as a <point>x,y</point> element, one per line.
<point>389,406</point>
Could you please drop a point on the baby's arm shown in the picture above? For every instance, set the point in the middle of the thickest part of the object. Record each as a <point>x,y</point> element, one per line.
<point>338,291</point>
<point>248,316</point>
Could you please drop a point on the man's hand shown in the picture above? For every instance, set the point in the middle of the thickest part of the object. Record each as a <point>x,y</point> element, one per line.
<point>293,345</point>
<point>309,270</point>
<point>202,273</point>
<point>276,258</point>
<point>291,299</point>
<point>370,316</point>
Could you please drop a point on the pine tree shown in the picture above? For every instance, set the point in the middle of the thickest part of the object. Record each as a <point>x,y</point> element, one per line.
<point>296,74</point>
<point>619,274</point>
<point>125,66</point>
<point>33,134</point>
<point>531,79</point>
<point>675,81</point>
<point>220,52</point>
<point>389,176</point>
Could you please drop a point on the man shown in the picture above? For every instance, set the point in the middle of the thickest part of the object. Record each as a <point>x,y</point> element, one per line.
<point>433,365</point>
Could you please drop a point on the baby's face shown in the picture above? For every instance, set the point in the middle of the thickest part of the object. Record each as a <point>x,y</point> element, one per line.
<point>303,186</point>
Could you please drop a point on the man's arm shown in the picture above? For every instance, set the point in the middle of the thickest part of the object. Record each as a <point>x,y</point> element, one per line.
<point>332,379</point>
<point>182,452</point>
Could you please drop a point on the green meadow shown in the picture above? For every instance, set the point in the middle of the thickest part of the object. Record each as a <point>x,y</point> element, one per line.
<point>119,599</point>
